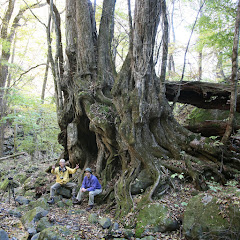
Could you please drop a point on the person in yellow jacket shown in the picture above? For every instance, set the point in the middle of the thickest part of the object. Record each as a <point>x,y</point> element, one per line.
<point>62,179</point>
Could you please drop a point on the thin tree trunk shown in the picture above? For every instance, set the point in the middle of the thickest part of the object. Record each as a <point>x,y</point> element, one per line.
<point>200,53</point>
<point>234,78</point>
<point>45,81</point>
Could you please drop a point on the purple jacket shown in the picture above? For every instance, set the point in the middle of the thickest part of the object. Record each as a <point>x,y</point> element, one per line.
<point>91,183</point>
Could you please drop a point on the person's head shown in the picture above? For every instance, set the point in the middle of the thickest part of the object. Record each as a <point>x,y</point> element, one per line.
<point>88,172</point>
<point>62,163</point>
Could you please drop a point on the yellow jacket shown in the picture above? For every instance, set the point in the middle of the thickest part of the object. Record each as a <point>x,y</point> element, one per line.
<point>63,177</point>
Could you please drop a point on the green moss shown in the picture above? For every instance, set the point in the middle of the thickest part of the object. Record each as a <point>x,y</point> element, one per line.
<point>203,218</point>
<point>200,115</point>
<point>21,177</point>
<point>154,217</point>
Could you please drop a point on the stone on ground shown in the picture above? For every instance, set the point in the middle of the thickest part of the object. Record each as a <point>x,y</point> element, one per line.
<point>55,233</point>
<point>32,216</point>
<point>3,235</point>
<point>154,218</point>
<point>209,216</point>
<point>41,202</point>
<point>105,222</point>
<point>93,218</point>
<point>43,223</point>
<point>22,200</point>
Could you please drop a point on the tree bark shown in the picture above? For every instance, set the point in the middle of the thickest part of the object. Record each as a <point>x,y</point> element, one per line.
<point>234,78</point>
<point>130,127</point>
<point>202,94</point>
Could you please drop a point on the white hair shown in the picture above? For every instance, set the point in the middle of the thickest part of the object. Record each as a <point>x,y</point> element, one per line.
<point>62,160</point>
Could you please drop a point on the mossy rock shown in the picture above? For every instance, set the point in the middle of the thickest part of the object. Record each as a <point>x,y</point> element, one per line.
<point>29,183</point>
<point>43,223</point>
<point>21,177</point>
<point>155,218</point>
<point>204,219</point>
<point>32,216</point>
<point>41,180</point>
<point>41,202</point>
<point>30,194</point>
<point>55,233</point>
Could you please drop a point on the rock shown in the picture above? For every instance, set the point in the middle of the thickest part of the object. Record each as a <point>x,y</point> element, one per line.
<point>141,183</point>
<point>32,216</point>
<point>32,231</point>
<point>155,218</point>
<point>128,233</point>
<point>60,204</point>
<point>14,212</point>
<point>41,202</point>
<point>29,183</point>
<point>35,237</point>
<point>208,216</point>
<point>21,177</point>
<point>105,222</point>
<point>68,202</point>
<point>115,226</point>
<point>30,193</point>
<point>54,233</point>
<point>22,200</point>
<point>93,218</point>
<point>3,235</point>
<point>43,223</point>
<point>65,192</point>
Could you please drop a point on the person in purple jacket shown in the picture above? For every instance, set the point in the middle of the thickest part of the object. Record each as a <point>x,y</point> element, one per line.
<point>90,184</point>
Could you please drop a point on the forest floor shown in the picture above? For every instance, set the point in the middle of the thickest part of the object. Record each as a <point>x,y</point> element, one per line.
<point>75,217</point>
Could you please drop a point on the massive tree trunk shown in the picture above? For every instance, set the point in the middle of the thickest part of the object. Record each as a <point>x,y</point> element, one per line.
<point>122,123</point>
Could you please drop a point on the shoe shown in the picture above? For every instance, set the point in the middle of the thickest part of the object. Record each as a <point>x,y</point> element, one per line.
<point>51,201</point>
<point>75,201</point>
<point>89,208</point>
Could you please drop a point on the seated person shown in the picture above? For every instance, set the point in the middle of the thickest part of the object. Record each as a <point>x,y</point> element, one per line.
<point>62,173</point>
<point>90,184</point>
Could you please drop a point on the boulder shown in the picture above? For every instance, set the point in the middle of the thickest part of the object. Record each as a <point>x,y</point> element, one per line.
<point>31,217</point>
<point>3,235</point>
<point>35,237</point>
<point>21,177</point>
<point>115,226</point>
<point>128,233</point>
<point>30,193</point>
<point>93,218</point>
<point>32,231</point>
<point>65,192</point>
<point>55,233</point>
<point>212,216</point>
<point>105,222</point>
<point>43,223</point>
<point>14,212</point>
<point>22,200</point>
<point>155,218</point>
<point>41,202</point>
<point>141,183</point>
<point>29,183</point>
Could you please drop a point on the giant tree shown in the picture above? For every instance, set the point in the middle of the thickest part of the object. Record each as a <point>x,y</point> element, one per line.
<point>121,122</point>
